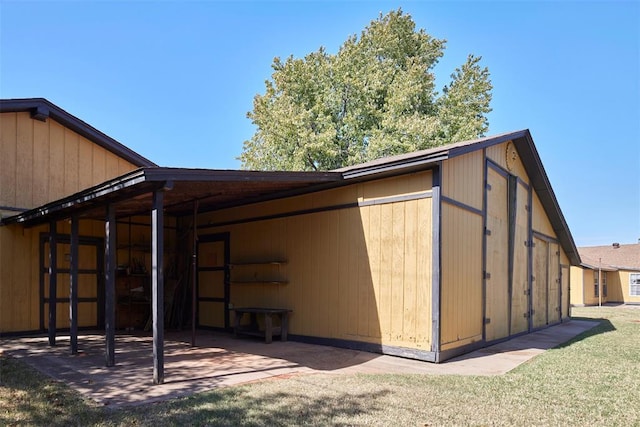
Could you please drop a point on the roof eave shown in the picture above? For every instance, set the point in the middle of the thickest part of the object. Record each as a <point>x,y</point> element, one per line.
<point>41,109</point>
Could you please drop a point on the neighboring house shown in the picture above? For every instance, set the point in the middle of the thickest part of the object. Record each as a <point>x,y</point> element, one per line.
<point>425,255</point>
<point>607,274</point>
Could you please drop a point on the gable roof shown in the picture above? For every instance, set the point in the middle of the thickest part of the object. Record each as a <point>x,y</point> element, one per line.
<point>206,184</point>
<point>41,109</point>
<point>527,151</point>
<point>613,257</point>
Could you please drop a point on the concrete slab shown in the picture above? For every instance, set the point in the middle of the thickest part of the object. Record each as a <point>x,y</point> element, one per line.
<point>220,360</point>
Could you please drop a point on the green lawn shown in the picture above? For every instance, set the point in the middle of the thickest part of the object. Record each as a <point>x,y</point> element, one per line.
<point>593,380</point>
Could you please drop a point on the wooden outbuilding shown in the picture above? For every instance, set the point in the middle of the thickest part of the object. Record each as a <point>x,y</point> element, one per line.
<point>425,255</point>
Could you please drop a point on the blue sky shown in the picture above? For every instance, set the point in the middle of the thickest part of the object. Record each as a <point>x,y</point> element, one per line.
<point>174,80</point>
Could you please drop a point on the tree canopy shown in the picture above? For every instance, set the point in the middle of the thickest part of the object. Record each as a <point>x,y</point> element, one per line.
<point>375,97</point>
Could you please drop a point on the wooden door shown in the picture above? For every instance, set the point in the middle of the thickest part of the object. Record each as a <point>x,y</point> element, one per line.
<point>520,287</point>
<point>540,285</point>
<point>213,281</point>
<point>554,302</point>
<point>497,266</point>
<point>90,282</point>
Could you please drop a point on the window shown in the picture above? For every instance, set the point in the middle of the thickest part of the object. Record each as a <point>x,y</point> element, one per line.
<point>596,288</point>
<point>634,284</point>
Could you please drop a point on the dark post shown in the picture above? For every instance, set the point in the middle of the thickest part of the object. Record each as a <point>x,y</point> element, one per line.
<point>110,286</point>
<point>53,281</point>
<point>157,285</point>
<point>73,291</point>
<point>194,278</point>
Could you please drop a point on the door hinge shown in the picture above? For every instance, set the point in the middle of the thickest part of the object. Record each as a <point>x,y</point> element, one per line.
<point>487,232</point>
<point>487,275</point>
<point>487,320</point>
<point>525,315</point>
<point>533,278</point>
<point>488,187</point>
<point>527,292</point>
<point>527,208</point>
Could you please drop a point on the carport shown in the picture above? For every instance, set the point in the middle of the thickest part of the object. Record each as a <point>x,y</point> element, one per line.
<point>154,191</point>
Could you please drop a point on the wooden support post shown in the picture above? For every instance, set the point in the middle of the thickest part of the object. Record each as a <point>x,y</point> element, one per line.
<point>194,277</point>
<point>110,286</point>
<point>53,281</point>
<point>73,290</point>
<point>157,284</point>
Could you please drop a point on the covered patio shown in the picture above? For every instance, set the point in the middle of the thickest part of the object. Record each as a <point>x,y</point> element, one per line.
<point>158,193</point>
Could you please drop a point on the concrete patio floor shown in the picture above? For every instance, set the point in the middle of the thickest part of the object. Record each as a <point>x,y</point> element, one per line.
<point>221,360</point>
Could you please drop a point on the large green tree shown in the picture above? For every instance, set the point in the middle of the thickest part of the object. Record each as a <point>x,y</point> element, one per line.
<point>375,97</point>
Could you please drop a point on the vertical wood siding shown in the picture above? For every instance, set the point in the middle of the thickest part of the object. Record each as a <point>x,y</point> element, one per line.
<point>541,222</point>
<point>41,162</point>
<point>360,273</point>
<point>461,277</point>
<point>520,291</point>
<point>463,178</point>
<point>497,267</point>
<point>498,153</point>
<point>44,161</point>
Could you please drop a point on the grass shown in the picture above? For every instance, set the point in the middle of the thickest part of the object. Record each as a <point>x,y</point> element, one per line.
<point>592,380</point>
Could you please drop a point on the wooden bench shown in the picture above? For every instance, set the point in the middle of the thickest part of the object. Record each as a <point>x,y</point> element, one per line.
<point>269,329</point>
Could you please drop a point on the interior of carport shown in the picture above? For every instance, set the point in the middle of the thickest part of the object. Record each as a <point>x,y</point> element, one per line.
<point>158,193</point>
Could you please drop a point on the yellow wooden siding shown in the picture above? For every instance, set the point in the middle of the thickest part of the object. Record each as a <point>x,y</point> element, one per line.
<point>461,277</point>
<point>554,282</point>
<point>8,163</point>
<point>520,291</point>
<point>390,187</point>
<point>565,304</point>
<point>541,222</point>
<point>497,256</point>
<point>576,290</point>
<point>360,274</point>
<point>45,161</point>
<point>539,292</point>
<point>498,153</point>
<point>397,186</point>
<point>462,179</point>
<point>20,275</point>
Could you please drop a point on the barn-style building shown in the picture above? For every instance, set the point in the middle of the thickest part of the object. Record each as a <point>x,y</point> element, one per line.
<point>425,255</point>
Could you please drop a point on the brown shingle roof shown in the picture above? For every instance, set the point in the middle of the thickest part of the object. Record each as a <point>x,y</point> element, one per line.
<point>622,257</point>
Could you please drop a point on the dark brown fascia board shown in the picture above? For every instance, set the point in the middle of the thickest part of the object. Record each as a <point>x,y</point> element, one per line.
<point>212,175</point>
<point>488,142</point>
<point>396,167</point>
<point>41,109</point>
<point>540,182</point>
<point>57,208</point>
<point>404,163</point>
<point>158,177</point>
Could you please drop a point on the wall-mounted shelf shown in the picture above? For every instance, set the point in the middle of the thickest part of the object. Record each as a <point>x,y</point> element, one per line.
<point>245,264</point>
<point>257,272</point>
<point>259,282</point>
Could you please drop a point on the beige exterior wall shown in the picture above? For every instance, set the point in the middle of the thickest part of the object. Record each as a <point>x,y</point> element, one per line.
<point>618,289</point>
<point>353,273</point>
